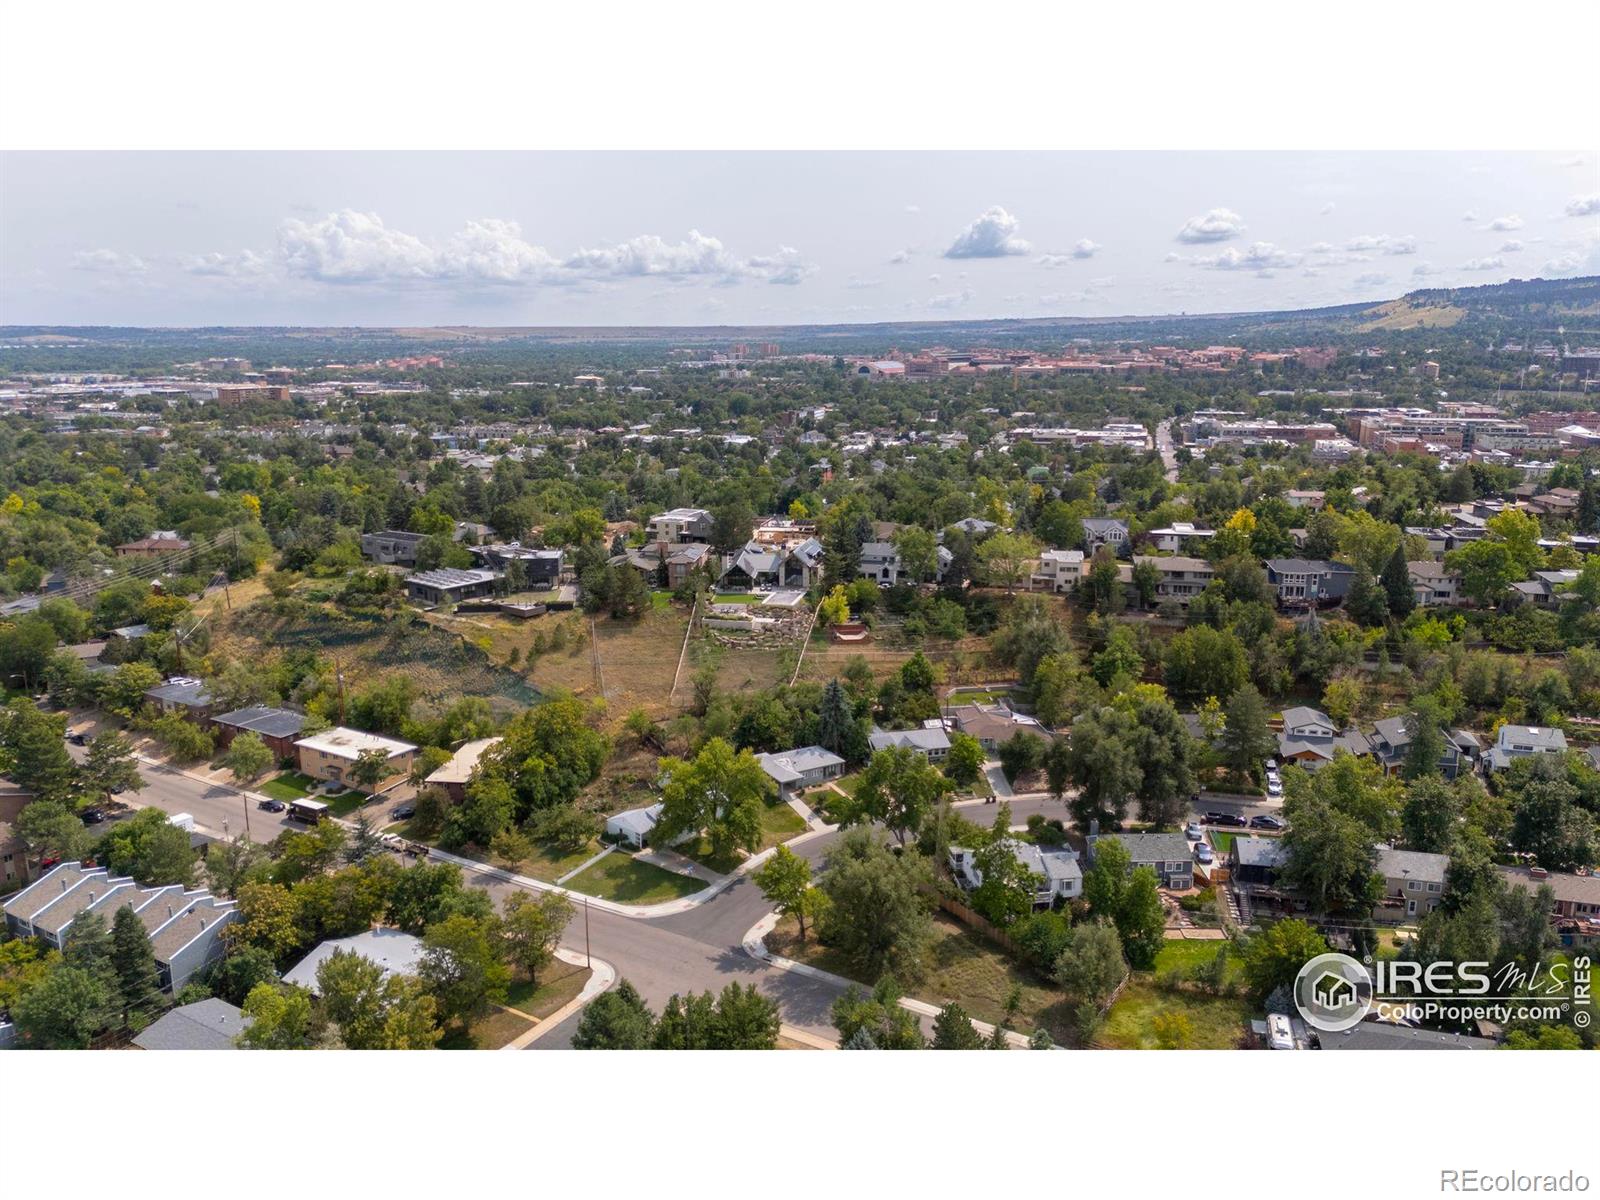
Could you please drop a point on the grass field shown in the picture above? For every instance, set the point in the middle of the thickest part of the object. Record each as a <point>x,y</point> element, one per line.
<point>779,823</point>
<point>1221,842</point>
<point>549,864</point>
<point>488,1032</point>
<point>1215,1022</point>
<point>1189,953</point>
<point>625,879</point>
<point>558,983</point>
<point>291,785</point>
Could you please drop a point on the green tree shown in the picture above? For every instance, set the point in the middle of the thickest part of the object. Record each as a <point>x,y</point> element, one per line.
<point>1091,967</point>
<point>1102,760</point>
<point>1429,816</point>
<point>834,718</point>
<point>952,1030</point>
<point>32,752</point>
<point>372,1009</point>
<point>281,1018</point>
<point>1005,558</point>
<point>1330,859</point>
<point>370,768</point>
<point>785,880</point>
<point>719,791</point>
<point>462,969</point>
<point>1427,745</point>
<point>1141,921</point>
<point>138,978</point>
<point>247,757</point>
<point>877,910</point>
<point>1272,958</point>
<point>547,755</point>
<point>110,765</point>
<point>1202,661</point>
<point>1166,778</point>
<point>898,789</point>
<point>1120,659</point>
<point>615,1020</point>
<point>1247,740</point>
<point>52,830</point>
<point>1396,581</point>
<point>963,763</point>
<point>64,1010</point>
<point>919,552</point>
<point>530,930</point>
<point>876,1021</point>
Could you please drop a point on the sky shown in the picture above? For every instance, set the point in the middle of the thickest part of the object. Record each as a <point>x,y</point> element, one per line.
<point>666,238</point>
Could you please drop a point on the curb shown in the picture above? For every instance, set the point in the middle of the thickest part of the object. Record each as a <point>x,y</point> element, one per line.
<point>603,976</point>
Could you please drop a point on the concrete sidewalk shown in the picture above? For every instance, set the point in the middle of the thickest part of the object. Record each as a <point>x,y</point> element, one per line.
<point>602,976</point>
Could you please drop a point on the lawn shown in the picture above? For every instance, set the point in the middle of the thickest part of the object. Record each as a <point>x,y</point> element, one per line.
<point>779,823</point>
<point>621,877</point>
<point>1188,954</point>
<point>488,1032</point>
<point>345,803</point>
<point>291,785</point>
<point>1222,842</point>
<point>1215,1022</point>
<point>550,863</point>
<point>960,966</point>
<point>558,984</point>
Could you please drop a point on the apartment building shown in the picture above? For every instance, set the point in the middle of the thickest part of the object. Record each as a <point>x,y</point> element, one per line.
<point>1057,571</point>
<point>1182,579</point>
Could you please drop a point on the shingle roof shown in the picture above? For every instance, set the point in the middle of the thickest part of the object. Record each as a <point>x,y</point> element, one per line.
<point>1378,1035</point>
<point>1411,864</point>
<point>259,718</point>
<point>1151,847</point>
<point>1259,851</point>
<point>209,1024</point>
<point>398,953</point>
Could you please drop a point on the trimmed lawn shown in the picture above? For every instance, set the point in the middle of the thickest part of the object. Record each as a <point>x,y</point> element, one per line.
<point>488,1032</point>
<point>291,785</point>
<point>1216,1022</point>
<point>1221,842</point>
<point>779,823</point>
<point>550,864</point>
<point>1188,954</point>
<point>559,983</point>
<point>736,598</point>
<point>345,803</point>
<point>700,851</point>
<point>621,877</point>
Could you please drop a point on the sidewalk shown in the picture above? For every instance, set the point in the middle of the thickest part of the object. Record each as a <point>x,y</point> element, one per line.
<point>603,976</point>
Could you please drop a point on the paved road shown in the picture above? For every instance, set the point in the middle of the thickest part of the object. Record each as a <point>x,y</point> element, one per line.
<point>218,810</point>
<point>1168,452</point>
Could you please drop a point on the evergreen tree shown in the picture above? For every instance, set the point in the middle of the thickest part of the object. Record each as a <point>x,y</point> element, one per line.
<point>364,841</point>
<point>834,718</point>
<point>952,1030</point>
<point>134,961</point>
<point>1396,580</point>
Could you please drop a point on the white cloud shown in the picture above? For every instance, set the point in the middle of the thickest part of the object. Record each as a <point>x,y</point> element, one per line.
<point>1259,256</point>
<point>1505,224</point>
<point>355,247</point>
<point>1085,248</point>
<point>109,261</point>
<point>934,278</point>
<point>1584,206</point>
<point>1406,244</point>
<point>1173,256</point>
<point>1511,247</point>
<point>1326,209</point>
<point>247,264</point>
<point>1371,279</point>
<point>900,257</point>
<point>1469,215</point>
<point>1422,269</point>
<point>857,283</point>
<point>1483,264</point>
<point>1582,259</point>
<point>992,235</point>
<point>913,208</point>
<point>1218,225</point>
<point>952,299</point>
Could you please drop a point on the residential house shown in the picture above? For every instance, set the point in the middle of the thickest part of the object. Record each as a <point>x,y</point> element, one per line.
<point>1381,1035</point>
<point>209,1024</point>
<point>1104,531</point>
<point>755,567</point>
<point>1059,877</point>
<point>1518,741</point>
<point>1391,740</point>
<point>277,727</point>
<point>539,568</point>
<point>975,527</point>
<point>331,754</point>
<point>993,724</point>
<point>1575,901</point>
<point>454,775</point>
<point>1182,579</point>
<point>392,546</point>
<point>1434,585</point>
<point>185,926</point>
<point>1296,498</point>
<point>181,694</point>
<point>1413,884</point>
<point>1256,861</point>
<point>796,770</point>
<point>1057,571</point>
<point>1547,589</point>
<point>681,525</point>
<point>162,541</point>
<point>675,562</point>
<point>931,741</point>
<point>634,826</point>
<point>13,850</point>
<point>1180,536</point>
<point>1167,854</point>
<point>448,585</point>
<point>391,950</point>
<point>1302,582</point>
<point>1309,738</point>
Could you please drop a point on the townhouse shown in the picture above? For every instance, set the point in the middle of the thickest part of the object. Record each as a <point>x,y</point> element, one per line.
<point>277,727</point>
<point>185,926</point>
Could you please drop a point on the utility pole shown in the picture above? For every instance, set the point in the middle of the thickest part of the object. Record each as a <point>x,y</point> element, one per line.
<point>338,674</point>
<point>586,959</point>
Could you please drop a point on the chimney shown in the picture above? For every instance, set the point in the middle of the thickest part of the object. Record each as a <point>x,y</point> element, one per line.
<point>91,896</point>
<point>63,885</point>
<point>169,912</point>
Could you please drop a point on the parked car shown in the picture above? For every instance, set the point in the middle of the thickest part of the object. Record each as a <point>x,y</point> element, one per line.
<point>1230,819</point>
<point>1274,787</point>
<point>1194,833</point>
<point>271,805</point>
<point>404,813</point>
<point>78,739</point>
<point>1203,855</point>
<point>91,816</point>
<point>1267,821</point>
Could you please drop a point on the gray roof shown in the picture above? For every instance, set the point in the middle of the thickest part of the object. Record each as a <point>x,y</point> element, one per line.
<point>1305,566</point>
<point>204,1025</point>
<point>1411,864</point>
<point>259,718</point>
<point>398,953</point>
<point>917,739</point>
<point>1150,847</point>
<point>637,821</point>
<point>1541,737</point>
<point>790,765</point>
<point>1303,715</point>
<point>1259,852</point>
<point>1054,865</point>
<point>1379,1035</point>
<point>450,577</point>
<point>1103,524</point>
<point>191,692</point>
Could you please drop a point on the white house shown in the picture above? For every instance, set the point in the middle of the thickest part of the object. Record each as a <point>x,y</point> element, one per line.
<point>1057,571</point>
<point>634,826</point>
<point>1175,538</point>
<point>1060,877</point>
<point>795,770</point>
<point>1519,741</point>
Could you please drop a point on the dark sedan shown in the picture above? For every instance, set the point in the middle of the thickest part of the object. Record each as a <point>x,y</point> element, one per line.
<point>1268,821</point>
<point>1229,819</point>
<point>272,805</point>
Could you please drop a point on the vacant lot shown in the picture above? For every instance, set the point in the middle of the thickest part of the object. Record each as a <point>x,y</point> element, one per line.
<point>1215,1022</point>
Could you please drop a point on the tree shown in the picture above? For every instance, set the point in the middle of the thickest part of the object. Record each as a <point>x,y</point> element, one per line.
<point>1247,740</point>
<point>111,765</point>
<point>268,918</point>
<point>364,841</point>
<point>876,1021</point>
<point>835,607</point>
<point>239,970</point>
<point>1028,634</point>
<point>952,1030</point>
<point>744,1019</point>
<point>461,968</point>
<point>138,979</point>
<point>1119,660</point>
<point>52,830</point>
<point>151,848</point>
<point>34,755</point>
<point>1005,558</point>
<point>1330,858</point>
<point>247,757</point>
<point>1146,581</point>
<point>785,880</point>
<point>731,524</point>
<point>1020,753</point>
<point>1273,957</point>
<point>1091,967</point>
<point>1202,661</point>
<point>1008,888</point>
<point>1427,745</point>
<point>530,929</point>
<point>615,1020</point>
<point>372,1009</point>
<point>1365,601</point>
<point>1102,760</point>
<point>64,1010</point>
<point>877,913</point>
<point>898,789</point>
<point>918,550</point>
<point>1141,921</point>
<point>1396,581</point>
<point>1166,779</point>
<point>834,718</point>
<point>720,791</point>
<point>963,762</point>
<point>1429,816</point>
<point>1487,569</point>
<point>281,1018</point>
<point>370,767</point>
<point>186,741</point>
<point>547,755</point>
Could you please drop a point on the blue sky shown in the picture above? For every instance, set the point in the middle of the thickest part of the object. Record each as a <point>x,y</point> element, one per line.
<point>518,238</point>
